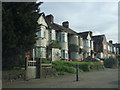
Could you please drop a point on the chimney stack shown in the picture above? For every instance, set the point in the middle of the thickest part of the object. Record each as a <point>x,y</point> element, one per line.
<point>111,41</point>
<point>66,24</point>
<point>50,18</point>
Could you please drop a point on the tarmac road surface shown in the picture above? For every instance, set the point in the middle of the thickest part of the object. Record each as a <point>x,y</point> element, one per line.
<point>100,79</point>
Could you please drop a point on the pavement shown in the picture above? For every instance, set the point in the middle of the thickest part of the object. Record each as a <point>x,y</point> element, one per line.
<point>99,79</point>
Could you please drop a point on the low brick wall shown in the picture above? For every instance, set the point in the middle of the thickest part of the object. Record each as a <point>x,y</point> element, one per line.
<point>20,74</point>
<point>13,75</point>
<point>48,72</point>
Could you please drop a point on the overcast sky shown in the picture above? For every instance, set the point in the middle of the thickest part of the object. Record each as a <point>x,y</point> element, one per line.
<point>98,17</point>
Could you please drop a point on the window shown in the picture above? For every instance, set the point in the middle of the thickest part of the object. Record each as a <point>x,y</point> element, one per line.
<point>87,43</point>
<point>38,34</point>
<point>53,35</point>
<point>40,52</point>
<point>114,49</point>
<point>63,37</point>
<point>41,32</point>
<point>91,44</point>
<point>104,46</point>
<point>43,52</point>
<point>64,54</point>
<point>109,48</point>
<point>37,52</point>
<point>59,37</point>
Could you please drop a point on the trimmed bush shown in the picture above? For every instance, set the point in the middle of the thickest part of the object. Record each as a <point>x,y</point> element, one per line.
<point>118,60</point>
<point>111,63</point>
<point>64,68</point>
<point>70,66</point>
<point>60,73</point>
<point>46,61</point>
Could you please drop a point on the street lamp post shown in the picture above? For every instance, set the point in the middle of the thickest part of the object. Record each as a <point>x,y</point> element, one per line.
<point>77,67</point>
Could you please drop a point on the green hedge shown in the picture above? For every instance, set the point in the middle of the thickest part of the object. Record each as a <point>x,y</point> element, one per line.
<point>46,61</point>
<point>111,63</point>
<point>70,67</point>
<point>118,60</point>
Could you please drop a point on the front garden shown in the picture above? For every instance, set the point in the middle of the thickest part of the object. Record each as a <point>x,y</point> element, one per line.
<point>63,67</point>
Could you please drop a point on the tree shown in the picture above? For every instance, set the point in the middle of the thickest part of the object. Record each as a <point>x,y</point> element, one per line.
<point>19,24</point>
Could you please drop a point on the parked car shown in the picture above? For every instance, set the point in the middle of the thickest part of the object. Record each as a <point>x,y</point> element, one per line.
<point>93,60</point>
<point>90,60</point>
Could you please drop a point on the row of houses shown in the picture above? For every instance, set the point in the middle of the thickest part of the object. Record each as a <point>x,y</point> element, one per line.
<point>56,42</point>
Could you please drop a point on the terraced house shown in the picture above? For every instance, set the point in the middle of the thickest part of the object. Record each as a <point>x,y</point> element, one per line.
<point>87,43</point>
<point>59,42</point>
<point>111,50</point>
<point>102,48</point>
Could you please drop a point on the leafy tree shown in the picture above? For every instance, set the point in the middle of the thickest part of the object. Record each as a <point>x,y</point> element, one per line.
<point>19,23</point>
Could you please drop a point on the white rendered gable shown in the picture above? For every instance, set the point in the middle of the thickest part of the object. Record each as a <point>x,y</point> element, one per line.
<point>88,37</point>
<point>42,21</point>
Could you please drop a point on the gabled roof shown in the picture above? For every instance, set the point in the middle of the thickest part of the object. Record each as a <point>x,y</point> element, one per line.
<point>117,45</point>
<point>109,44</point>
<point>43,15</point>
<point>57,26</point>
<point>84,35</point>
<point>62,28</point>
<point>98,38</point>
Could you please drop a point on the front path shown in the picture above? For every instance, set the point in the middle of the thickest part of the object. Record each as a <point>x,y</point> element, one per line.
<point>99,79</point>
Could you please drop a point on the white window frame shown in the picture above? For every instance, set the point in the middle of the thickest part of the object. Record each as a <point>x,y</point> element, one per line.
<point>41,32</point>
<point>104,46</point>
<point>43,52</point>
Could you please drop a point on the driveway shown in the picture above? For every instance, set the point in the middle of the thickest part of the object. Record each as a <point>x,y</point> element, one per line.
<point>100,79</point>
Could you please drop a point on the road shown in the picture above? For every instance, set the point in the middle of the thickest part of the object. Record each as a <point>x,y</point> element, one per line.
<point>100,79</point>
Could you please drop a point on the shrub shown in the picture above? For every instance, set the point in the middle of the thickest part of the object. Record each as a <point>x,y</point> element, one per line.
<point>46,61</point>
<point>18,68</point>
<point>118,60</point>
<point>64,68</point>
<point>111,63</point>
<point>60,73</point>
<point>70,67</point>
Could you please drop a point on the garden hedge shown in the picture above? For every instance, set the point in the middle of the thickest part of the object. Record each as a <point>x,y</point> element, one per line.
<point>70,66</point>
<point>111,63</point>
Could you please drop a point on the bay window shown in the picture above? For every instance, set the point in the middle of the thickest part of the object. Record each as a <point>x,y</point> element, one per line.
<point>87,43</point>
<point>41,32</point>
<point>41,52</point>
<point>62,37</point>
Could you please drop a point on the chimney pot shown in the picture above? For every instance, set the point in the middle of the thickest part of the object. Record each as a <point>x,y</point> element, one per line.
<point>110,41</point>
<point>50,18</point>
<point>66,24</point>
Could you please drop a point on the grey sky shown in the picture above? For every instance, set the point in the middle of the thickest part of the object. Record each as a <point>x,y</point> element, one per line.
<point>99,17</point>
